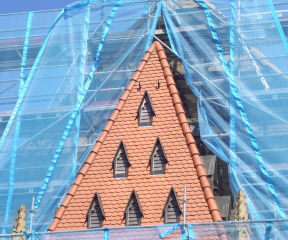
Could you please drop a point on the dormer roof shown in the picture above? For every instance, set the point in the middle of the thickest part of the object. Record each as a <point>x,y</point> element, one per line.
<point>158,154</point>
<point>121,158</point>
<point>145,112</point>
<point>134,195</point>
<point>133,200</point>
<point>98,199</point>
<point>172,193</point>
<point>172,208</point>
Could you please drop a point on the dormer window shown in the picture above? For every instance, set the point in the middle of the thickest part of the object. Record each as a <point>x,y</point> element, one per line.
<point>121,162</point>
<point>172,210</point>
<point>158,159</point>
<point>133,212</point>
<point>95,214</point>
<point>145,112</point>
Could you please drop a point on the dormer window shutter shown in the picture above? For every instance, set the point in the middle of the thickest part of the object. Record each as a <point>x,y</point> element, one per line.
<point>158,159</point>
<point>145,112</point>
<point>121,162</point>
<point>172,210</point>
<point>133,212</point>
<point>95,214</point>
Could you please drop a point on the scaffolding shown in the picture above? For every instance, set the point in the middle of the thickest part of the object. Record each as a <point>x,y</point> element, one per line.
<point>68,87</point>
<point>75,63</point>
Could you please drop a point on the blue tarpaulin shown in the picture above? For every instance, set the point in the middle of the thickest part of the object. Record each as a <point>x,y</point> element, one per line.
<point>62,72</point>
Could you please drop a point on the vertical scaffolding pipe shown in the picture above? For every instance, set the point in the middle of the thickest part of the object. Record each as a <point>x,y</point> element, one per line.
<point>148,18</point>
<point>81,81</point>
<point>184,205</point>
<point>18,124</point>
<point>232,133</point>
<point>31,216</point>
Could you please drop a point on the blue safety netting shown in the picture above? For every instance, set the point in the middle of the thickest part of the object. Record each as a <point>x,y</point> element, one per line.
<point>62,72</point>
<point>254,230</point>
<point>235,61</point>
<point>64,97</point>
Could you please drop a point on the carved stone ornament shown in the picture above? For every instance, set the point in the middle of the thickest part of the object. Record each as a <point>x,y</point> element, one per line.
<point>20,225</point>
<point>241,214</point>
<point>240,207</point>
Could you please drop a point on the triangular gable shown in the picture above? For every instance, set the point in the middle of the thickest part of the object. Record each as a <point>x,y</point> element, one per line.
<point>123,125</point>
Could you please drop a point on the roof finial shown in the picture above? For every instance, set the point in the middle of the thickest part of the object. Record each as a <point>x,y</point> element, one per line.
<point>241,214</point>
<point>240,206</point>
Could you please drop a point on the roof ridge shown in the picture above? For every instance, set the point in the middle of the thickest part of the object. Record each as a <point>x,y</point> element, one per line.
<point>58,215</point>
<point>180,112</point>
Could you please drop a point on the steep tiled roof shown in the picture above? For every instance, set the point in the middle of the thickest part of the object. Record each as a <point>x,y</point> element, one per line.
<point>184,168</point>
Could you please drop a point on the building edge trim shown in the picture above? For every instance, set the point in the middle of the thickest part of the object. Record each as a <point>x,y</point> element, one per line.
<point>210,199</point>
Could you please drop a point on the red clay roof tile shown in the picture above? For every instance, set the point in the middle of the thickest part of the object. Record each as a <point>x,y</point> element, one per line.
<point>152,190</point>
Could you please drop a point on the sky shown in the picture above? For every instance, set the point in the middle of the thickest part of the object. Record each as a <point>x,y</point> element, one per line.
<point>15,6</point>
